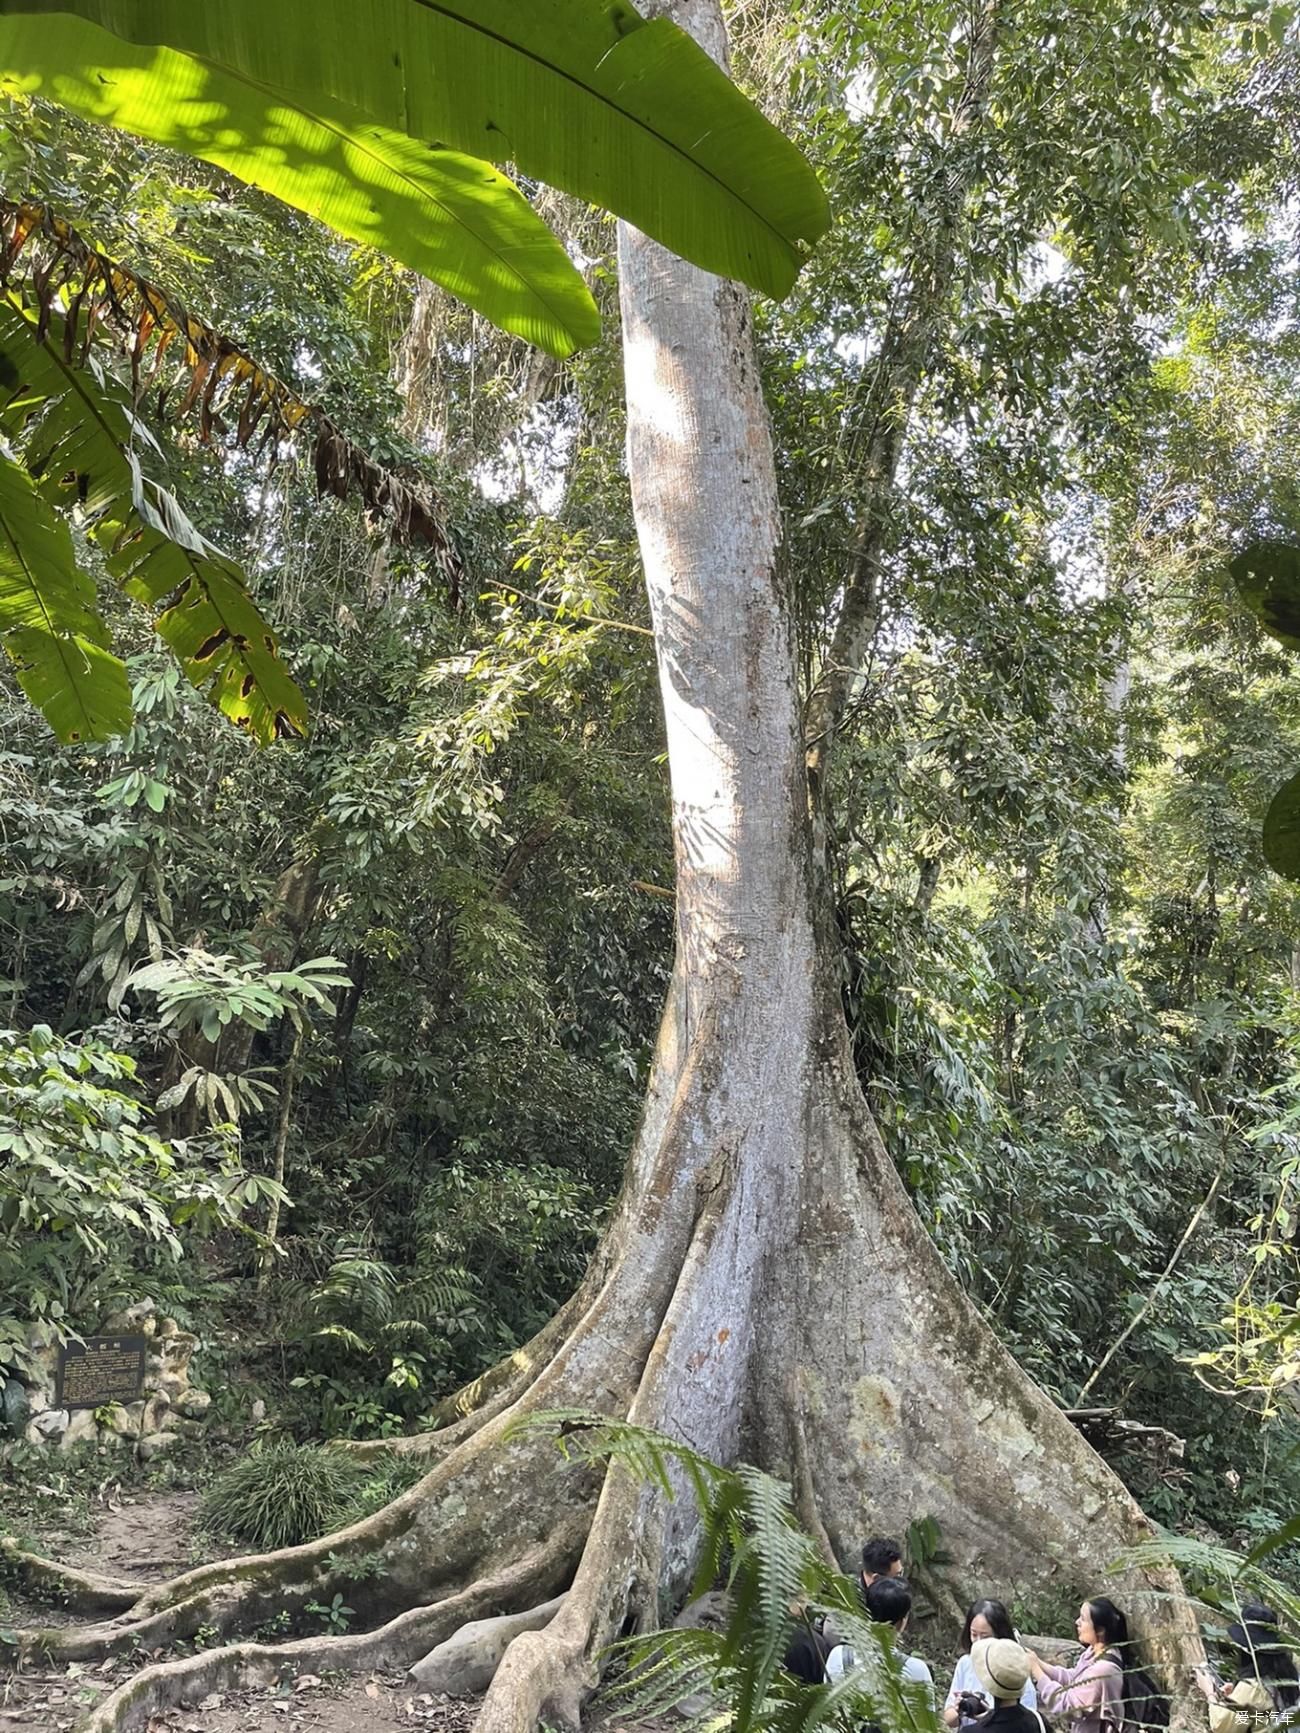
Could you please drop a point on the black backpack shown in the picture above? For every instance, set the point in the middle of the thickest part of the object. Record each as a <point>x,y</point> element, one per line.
<point>1145,1704</point>
<point>806,1655</point>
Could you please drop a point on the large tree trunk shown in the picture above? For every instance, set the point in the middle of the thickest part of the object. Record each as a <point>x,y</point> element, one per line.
<point>765,1290</point>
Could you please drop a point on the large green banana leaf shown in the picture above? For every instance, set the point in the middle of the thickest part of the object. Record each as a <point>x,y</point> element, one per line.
<point>80,443</point>
<point>48,621</point>
<point>450,216</point>
<point>587,95</point>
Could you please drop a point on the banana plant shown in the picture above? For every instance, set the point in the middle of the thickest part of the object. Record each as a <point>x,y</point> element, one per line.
<point>355,126</point>
<point>76,451</point>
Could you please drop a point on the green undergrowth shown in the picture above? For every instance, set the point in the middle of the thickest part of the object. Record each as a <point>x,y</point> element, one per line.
<point>48,1496</point>
<point>282,1493</point>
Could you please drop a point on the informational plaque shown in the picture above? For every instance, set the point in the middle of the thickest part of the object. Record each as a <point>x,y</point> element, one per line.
<point>100,1370</point>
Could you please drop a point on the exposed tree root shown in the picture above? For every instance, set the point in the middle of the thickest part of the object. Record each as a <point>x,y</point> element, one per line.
<point>214,1611</point>
<point>398,1644</point>
<point>547,1675</point>
<point>81,1591</point>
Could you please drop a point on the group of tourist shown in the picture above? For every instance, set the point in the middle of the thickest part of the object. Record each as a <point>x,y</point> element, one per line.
<point>1001,1684</point>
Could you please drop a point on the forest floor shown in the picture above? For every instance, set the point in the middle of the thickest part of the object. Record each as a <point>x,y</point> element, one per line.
<point>147,1535</point>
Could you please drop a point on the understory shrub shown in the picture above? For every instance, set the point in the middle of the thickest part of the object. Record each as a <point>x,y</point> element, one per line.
<point>284,1494</point>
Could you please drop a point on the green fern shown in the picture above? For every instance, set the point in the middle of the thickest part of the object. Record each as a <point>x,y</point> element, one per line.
<point>771,1569</point>
<point>1223,1578</point>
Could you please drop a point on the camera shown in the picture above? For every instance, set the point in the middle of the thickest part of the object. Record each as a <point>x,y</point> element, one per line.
<point>971,1705</point>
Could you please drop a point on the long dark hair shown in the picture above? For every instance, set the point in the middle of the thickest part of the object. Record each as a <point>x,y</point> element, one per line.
<point>1111,1627</point>
<point>1146,1706</point>
<point>999,1621</point>
<point>1257,1639</point>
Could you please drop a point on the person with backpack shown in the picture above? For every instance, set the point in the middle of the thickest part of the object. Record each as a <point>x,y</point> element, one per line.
<point>806,1654</point>
<point>1268,1684</point>
<point>1001,1667</point>
<point>888,1602</point>
<point>1090,1694</point>
<point>815,1636</point>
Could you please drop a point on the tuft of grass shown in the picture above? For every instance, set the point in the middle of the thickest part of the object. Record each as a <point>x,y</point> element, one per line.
<point>284,1494</point>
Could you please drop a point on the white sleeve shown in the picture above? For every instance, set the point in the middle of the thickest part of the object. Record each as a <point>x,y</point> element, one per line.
<point>956,1688</point>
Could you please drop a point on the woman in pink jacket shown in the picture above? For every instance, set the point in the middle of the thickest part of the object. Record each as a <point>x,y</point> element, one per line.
<point>1090,1694</point>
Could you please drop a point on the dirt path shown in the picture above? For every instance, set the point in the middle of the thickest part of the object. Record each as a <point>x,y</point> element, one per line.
<point>384,1703</point>
<point>145,1536</point>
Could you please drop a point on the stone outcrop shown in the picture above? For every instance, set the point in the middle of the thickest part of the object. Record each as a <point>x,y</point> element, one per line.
<point>169,1405</point>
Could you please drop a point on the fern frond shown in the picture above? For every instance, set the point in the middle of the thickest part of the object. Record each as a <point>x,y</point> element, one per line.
<point>583,1436</point>
<point>773,1569</point>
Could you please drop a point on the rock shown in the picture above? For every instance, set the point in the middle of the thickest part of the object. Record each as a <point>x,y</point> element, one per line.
<point>176,1350</point>
<point>168,1388</point>
<point>43,1366</point>
<point>258,1412</point>
<point>1056,1651</point>
<point>123,1419</point>
<point>156,1410</point>
<point>129,1320</point>
<point>177,1423</point>
<point>193,1404</point>
<point>15,1407</point>
<point>709,1612</point>
<point>42,1337</point>
<point>167,1327</point>
<point>463,1665</point>
<point>82,1428</point>
<point>38,1399</point>
<point>51,1424</point>
<point>154,1443</point>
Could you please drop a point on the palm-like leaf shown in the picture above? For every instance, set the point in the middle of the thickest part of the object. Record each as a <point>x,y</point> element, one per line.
<point>451,216</point>
<point>78,439</point>
<point>51,629</point>
<point>53,272</point>
<point>626,112</point>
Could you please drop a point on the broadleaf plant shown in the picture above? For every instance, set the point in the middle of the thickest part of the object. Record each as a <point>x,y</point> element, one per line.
<point>452,217</point>
<point>51,629</point>
<point>626,112</point>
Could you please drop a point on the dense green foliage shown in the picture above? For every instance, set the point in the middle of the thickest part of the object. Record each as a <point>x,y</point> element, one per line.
<point>93,1206</point>
<point>1070,974</point>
